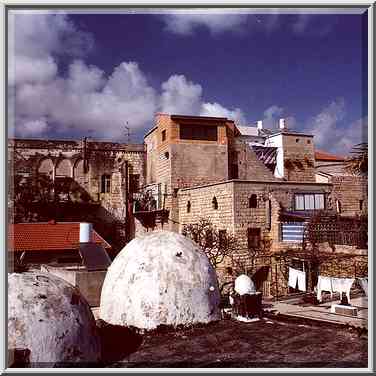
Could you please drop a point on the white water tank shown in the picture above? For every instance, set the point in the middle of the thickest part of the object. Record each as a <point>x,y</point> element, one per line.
<point>244,285</point>
<point>86,231</point>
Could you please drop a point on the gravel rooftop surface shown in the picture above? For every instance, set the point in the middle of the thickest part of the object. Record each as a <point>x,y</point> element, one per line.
<point>269,342</point>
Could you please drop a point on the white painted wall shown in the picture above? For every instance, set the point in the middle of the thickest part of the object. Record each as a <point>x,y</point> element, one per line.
<point>277,141</point>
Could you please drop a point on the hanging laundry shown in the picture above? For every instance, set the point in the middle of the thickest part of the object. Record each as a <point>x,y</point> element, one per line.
<point>342,285</point>
<point>364,284</point>
<point>302,281</point>
<point>297,278</point>
<point>293,277</point>
<point>324,284</point>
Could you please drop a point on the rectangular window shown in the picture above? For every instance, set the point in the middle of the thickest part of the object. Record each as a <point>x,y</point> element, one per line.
<point>254,237</point>
<point>361,205</point>
<point>164,135</point>
<point>134,181</point>
<point>222,238</point>
<point>106,184</point>
<point>198,132</point>
<point>309,201</point>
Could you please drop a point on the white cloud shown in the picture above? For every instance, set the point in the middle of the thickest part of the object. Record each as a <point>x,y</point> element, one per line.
<point>216,110</point>
<point>180,96</point>
<point>85,101</point>
<point>216,23</point>
<point>271,116</point>
<point>31,127</point>
<point>324,125</point>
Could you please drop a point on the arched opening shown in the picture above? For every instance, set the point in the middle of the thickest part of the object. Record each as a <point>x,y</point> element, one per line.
<point>64,168</point>
<point>46,167</point>
<point>215,203</point>
<point>252,201</point>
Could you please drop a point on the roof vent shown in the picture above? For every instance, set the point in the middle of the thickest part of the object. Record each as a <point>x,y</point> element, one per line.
<point>282,123</point>
<point>259,124</point>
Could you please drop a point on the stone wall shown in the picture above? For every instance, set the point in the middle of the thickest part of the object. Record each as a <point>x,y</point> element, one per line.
<point>350,190</point>
<point>298,153</point>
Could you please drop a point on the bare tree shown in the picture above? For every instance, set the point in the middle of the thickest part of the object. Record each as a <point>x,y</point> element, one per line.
<point>217,244</point>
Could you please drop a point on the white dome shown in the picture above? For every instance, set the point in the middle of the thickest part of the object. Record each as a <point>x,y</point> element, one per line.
<point>161,278</point>
<point>49,317</point>
<point>244,285</point>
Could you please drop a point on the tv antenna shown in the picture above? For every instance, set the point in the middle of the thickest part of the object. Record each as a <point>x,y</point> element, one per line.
<point>128,132</point>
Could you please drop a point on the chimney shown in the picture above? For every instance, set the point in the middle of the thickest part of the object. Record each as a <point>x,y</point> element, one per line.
<point>282,123</point>
<point>259,124</point>
<point>86,231</point>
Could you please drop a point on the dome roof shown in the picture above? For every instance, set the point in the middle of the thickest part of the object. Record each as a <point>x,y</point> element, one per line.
<point>244,285</point>
<point>161,278</point>
<point>49,317</point>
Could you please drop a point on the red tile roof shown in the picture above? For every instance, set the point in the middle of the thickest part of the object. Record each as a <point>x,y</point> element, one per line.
<point>324,156</point>
<point>47,236</point>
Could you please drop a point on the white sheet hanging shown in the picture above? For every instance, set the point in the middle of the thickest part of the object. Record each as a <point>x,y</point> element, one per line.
<point>302,281</point>
<point>324,284</point>
<point>364,284</point>
<point>297,278</point>
<point>293,277</point>
<point>342,285</point>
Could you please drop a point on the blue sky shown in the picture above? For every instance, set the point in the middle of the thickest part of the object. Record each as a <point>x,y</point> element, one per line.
<point>72,75</point>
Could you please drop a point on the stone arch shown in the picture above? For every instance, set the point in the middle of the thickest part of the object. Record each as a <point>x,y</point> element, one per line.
<point>63,168</point>
<point>78,169</point>
<point>46,167</point>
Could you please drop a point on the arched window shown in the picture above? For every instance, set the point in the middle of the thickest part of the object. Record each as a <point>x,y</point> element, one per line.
<point>215,203</point>
<point>105,184</point>
<point>252,202</point>
<point>339,208</point>
<point>188,207</point>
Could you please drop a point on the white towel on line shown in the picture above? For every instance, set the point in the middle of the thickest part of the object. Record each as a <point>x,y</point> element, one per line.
<point>324,284</point>
<point>342,285</point>
<point>364,284</point>
<point>297,277</point>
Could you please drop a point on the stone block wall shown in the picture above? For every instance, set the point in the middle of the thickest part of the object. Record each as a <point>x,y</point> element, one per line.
<point>349,190</point>
<point>299,151</point>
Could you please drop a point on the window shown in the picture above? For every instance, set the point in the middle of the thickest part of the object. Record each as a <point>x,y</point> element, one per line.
<point>297,140</point>
<point>163,135</point>
<point>215,203</point>
<point>222,238</point>
<point>309,201</point>
<point>254,237</point>
<point>252,202</point>
<point>134,182</point>
<point>308,141</point>
<point>106,184</point>
<point>188,207</point>
<point>338,206</point>
<point>361,205</point>
<point>198,132</point>
<point>167,155</point>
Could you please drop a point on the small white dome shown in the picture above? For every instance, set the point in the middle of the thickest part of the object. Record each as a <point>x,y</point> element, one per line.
<point>161,278</point>
<point>49,317</point>
<point>244,285</point>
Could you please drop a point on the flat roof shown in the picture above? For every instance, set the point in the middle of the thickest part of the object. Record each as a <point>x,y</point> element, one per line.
<point>280,182</point>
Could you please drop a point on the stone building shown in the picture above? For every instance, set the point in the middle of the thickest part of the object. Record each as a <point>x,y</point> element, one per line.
<point>91,175</point>
<point>251,182</point>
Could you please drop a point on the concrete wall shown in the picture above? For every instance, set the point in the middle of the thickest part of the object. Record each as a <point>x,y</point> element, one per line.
<point>88,282</point>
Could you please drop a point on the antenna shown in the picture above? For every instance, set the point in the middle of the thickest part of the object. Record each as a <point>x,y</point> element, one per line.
<point>128,130</point>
